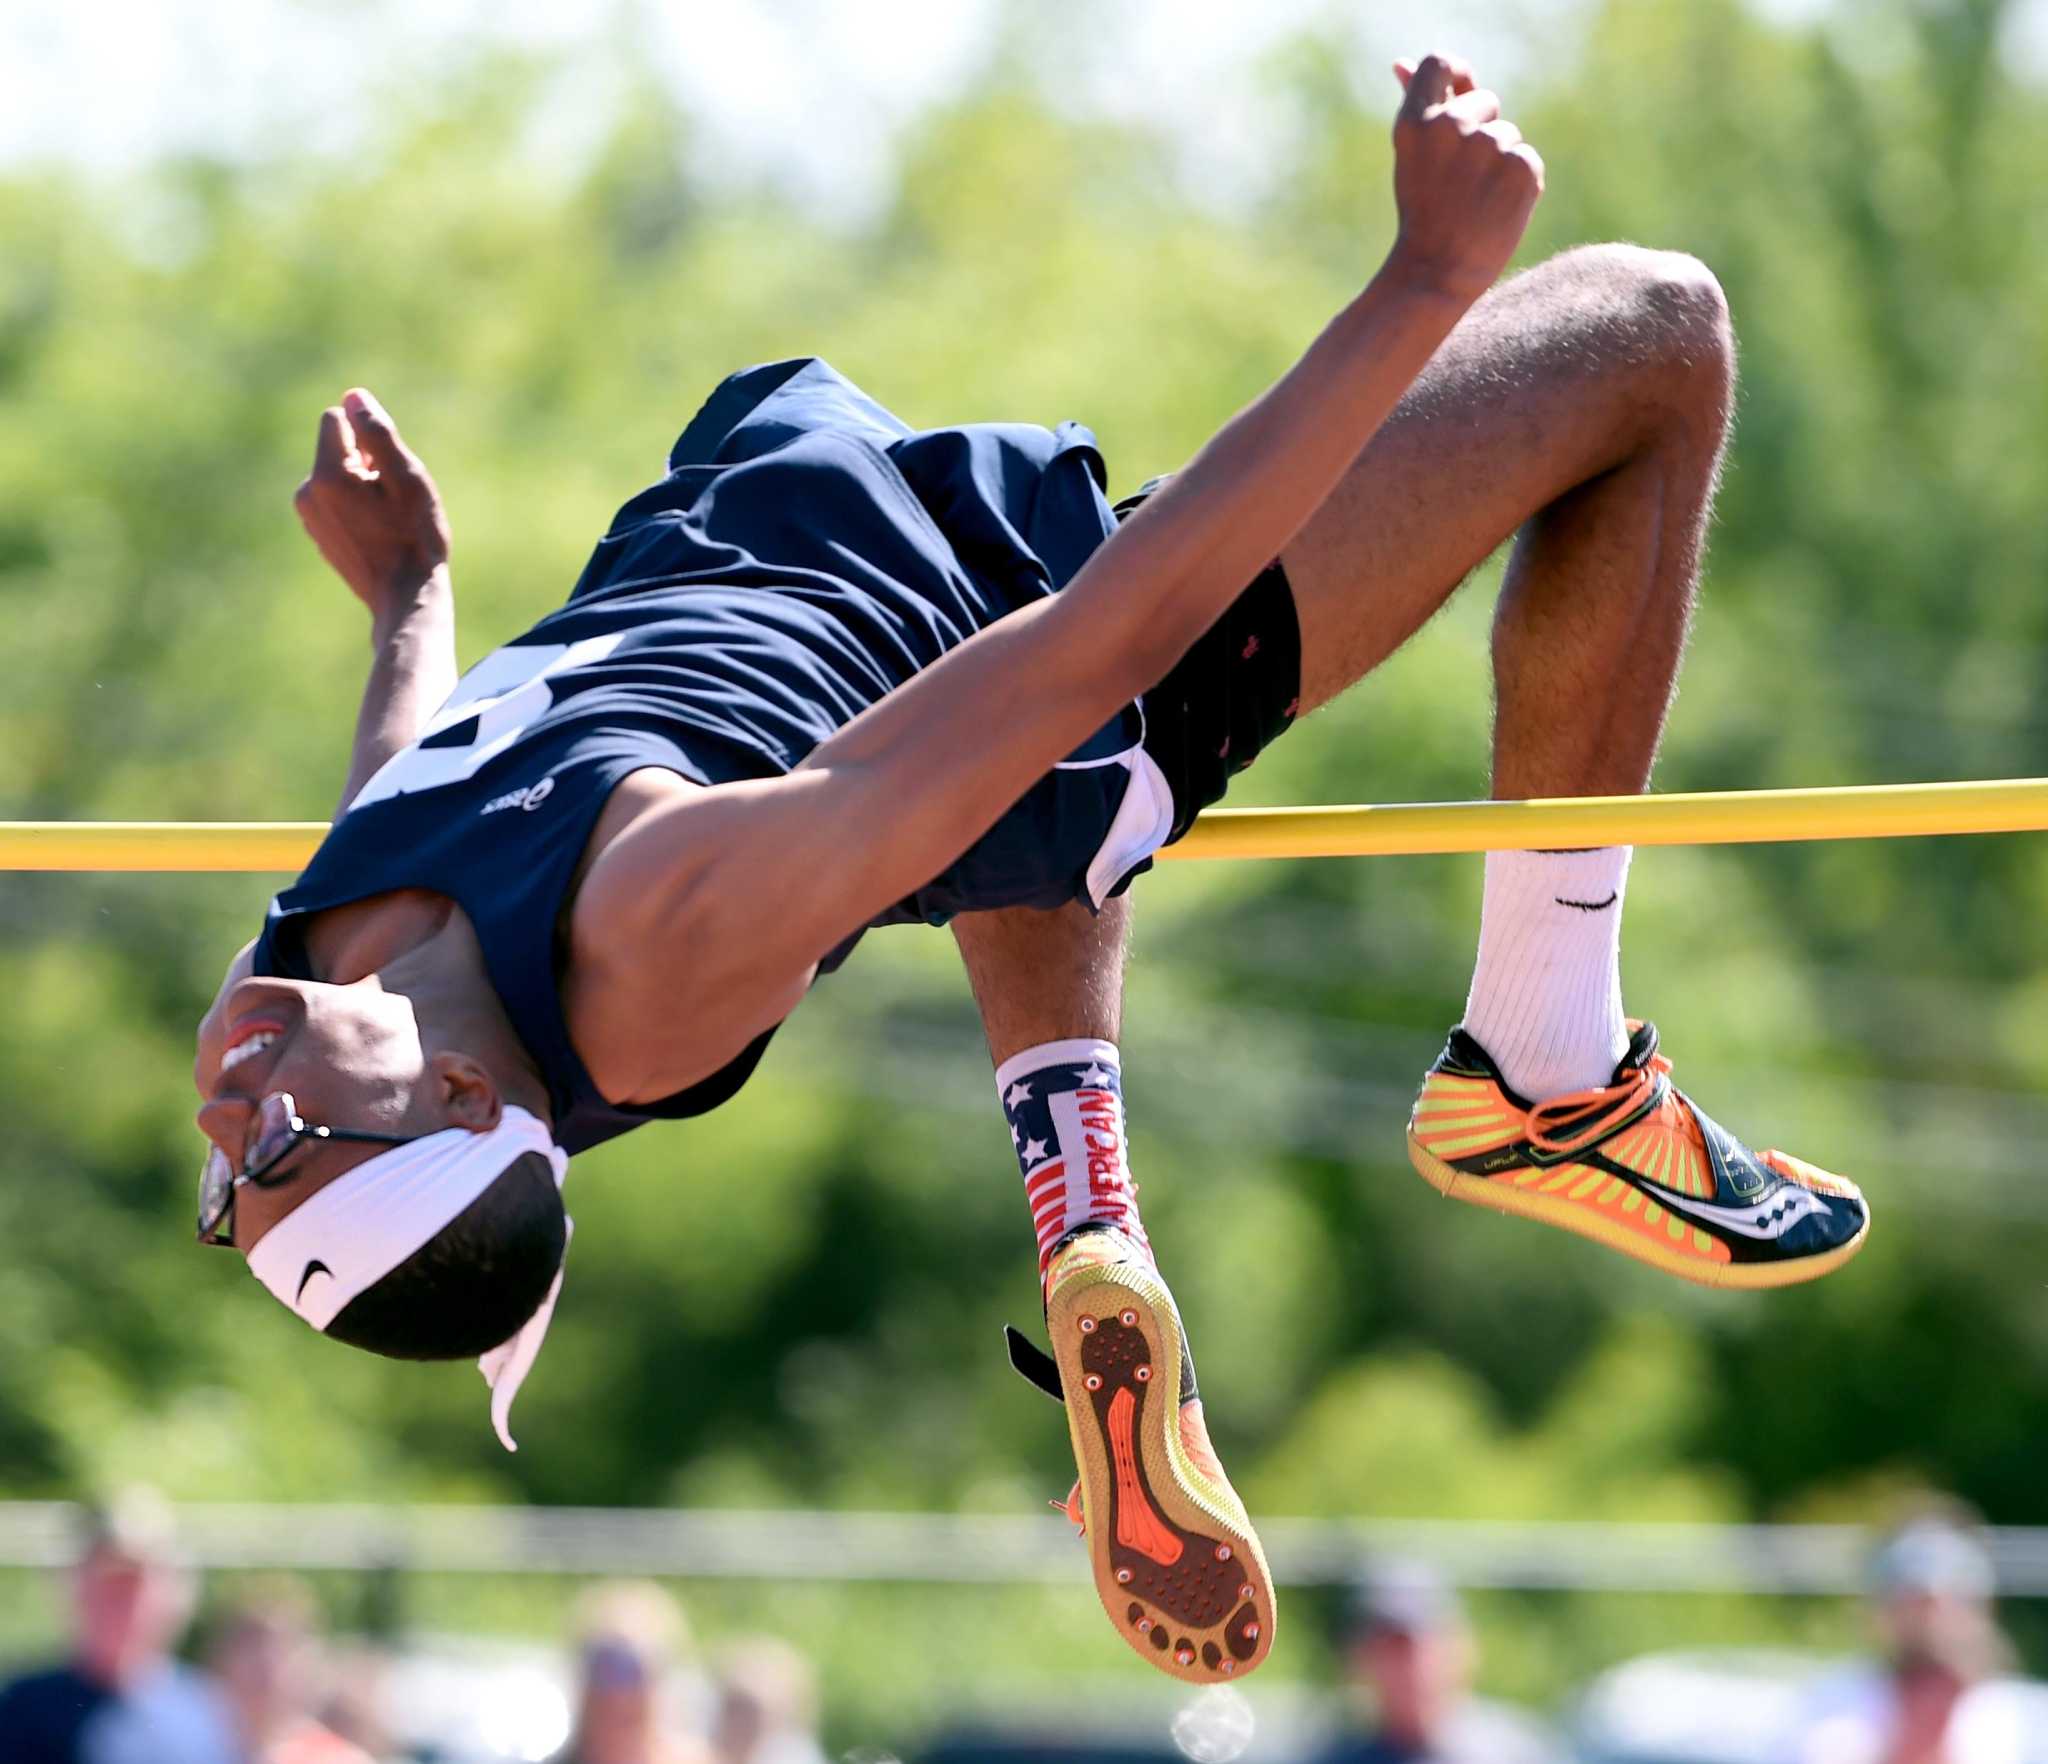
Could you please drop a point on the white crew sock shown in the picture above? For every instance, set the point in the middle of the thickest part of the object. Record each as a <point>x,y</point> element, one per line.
<point>1065,1106</point>
<point>1546,990</point>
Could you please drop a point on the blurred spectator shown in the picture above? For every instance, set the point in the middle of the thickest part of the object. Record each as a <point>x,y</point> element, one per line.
<point>1410,1653</point>
<point>265,1660</point>
<point>120,1698</point>
<point>767,1706</point>
<point>631,1639</point>
<point>1932,1698</point>
<point>354,1696</point>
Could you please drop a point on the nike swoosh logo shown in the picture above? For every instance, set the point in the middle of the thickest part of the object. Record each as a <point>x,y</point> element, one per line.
<point>1589,906</point>
<point>1767,1219</point>
<point>312,1268</point>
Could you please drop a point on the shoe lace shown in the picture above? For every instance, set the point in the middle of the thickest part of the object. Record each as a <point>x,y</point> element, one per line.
<point>1581,1118</point>
<point>1071,1506</point>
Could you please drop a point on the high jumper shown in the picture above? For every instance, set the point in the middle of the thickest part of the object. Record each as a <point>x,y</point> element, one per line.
<point>831,672</point>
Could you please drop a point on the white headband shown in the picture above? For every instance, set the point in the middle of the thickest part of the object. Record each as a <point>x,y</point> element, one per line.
<point>346,1237</point>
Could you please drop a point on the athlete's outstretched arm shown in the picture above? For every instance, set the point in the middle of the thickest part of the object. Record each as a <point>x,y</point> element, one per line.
<point>735,893</point>
<point>1006,705</point>
<point>372,508</point>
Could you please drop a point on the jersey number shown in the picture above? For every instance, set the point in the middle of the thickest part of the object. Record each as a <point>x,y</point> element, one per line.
<point>504,692</point>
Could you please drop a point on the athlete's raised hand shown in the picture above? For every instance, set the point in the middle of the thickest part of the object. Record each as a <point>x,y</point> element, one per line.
<point>371,507</point>
<point>1464,179</point>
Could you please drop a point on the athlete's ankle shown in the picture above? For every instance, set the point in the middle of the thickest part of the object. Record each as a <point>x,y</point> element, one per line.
<point>1064,1104</point>
<point>1545,1002</point>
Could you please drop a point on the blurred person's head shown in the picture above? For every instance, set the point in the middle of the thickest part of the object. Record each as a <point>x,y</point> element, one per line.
<point>1408,1645</point>
<point>1931,1586</point>
<point>630,1639</point>
<point>265,1658</point>
<point>767,1703</point>
<point>131,1595</point>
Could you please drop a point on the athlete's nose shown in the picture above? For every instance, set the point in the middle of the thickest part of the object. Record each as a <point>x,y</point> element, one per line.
<point>259,991</point>
<point>225,1120</point>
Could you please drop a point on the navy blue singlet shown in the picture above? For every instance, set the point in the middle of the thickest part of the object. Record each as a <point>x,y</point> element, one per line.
<point>806,554</point>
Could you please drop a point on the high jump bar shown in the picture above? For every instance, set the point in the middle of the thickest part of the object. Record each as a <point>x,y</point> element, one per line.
<point>1717,817</point>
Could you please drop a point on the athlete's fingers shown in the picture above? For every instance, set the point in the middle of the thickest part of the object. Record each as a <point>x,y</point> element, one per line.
<point>1476,107</point>
<point>336,447</point>
<point>1432,80</point>
<point>1532,159</point>
<point>379,436</point>
<point>1429,84</point>
<point>1504,132</point>
<point>1457,72</point>
<point>1404,71</point>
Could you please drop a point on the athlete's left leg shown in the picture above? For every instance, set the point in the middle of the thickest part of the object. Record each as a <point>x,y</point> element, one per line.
<point>1176,1562</point>
<point>1050,989</point>
<point>1046,976</point>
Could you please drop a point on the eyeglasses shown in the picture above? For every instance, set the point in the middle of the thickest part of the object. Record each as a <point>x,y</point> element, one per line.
<point>280,1131</point>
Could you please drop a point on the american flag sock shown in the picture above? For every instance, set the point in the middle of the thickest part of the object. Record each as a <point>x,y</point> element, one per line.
<point>1065,1104</point>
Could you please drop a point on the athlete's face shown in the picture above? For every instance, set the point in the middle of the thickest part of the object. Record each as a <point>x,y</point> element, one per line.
<point>349,1056</point>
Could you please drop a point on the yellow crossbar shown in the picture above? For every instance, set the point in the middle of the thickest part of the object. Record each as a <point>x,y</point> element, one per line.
<point>1722,817</point>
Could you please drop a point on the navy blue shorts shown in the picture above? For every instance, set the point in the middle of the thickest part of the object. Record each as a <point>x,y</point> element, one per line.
<point>812,552</point>
<point>1235,691</point>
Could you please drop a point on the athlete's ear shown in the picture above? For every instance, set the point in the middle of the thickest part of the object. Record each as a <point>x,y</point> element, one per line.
<point>464,1092</point>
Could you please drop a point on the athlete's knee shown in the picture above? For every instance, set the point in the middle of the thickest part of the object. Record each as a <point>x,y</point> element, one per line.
<point>1686,313</point>
<point>1665,315</point>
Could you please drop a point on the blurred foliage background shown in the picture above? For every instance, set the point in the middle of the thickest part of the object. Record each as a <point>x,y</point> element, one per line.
<point>798,1299</point>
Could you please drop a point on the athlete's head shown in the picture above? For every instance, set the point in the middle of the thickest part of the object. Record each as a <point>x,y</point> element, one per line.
<point>381,1158</point>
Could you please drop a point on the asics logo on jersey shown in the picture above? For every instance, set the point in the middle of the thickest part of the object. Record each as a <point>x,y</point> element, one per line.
<point>528,798</point>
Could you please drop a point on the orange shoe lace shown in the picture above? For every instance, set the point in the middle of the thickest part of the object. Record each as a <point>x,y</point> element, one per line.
<point>1071,1506</point>
<point>1570,1123</point>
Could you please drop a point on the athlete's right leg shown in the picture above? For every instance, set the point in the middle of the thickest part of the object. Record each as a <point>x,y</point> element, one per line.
<point>1582,407</point>
<point>1176,1562</point>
